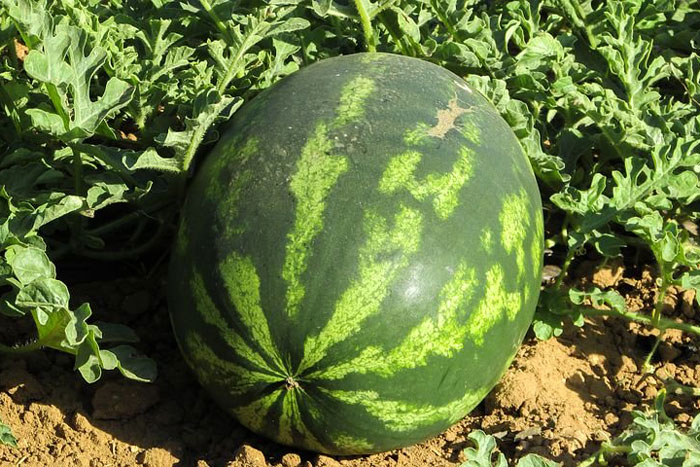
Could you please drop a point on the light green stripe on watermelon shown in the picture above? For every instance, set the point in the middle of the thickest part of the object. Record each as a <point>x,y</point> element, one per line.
<point>229,209</point>
<point>417,135</point>
<point>536,246</point>
<point>469,130</point>
<point>515,223</point>
<point>317,172</point>
<point>401,416</point>
<point>290,421</point>
<point>238,153</point>
<point>289,417</point>
<point>213,317</point>
<point>377,269</point>
<point>443,188</point>
<point>496,303</point>
<point>243,286</point>
<point>351,444</point>
<point>443,335</point>
<point>486,240</point>
<point>254,415</point>
<point>352,99</point>
<point>215,370</point>
<point>183,236</point>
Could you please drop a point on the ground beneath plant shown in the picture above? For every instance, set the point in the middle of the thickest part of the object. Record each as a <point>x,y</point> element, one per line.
<point>560,398</point>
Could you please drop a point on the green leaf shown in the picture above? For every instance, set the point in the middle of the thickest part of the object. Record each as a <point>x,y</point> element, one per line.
<point>611,298</point>
<point>485,449</point>
<point>691,280</point>
<point>290,25</point>
<point>45,295</point>
<point>58,205</point>
<point>6,436</point>
<point>546,325</point>
<point>49,65</point>
<point>76,329</point>
<point>321,7</point>
<point>112,332</point>
<point>151,160</point>
<point>540,51</point>
<point>29,263</point>
<point>62,64</point>
<point>209,106</point>
<point>533,460</point>
<point>607,244</point>
<point>48,122</point>
<point>87,360</point>
<point>130,364</point>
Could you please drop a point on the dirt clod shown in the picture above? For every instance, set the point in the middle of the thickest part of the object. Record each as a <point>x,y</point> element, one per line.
<point>687,303</point>
<point>248,456</point>
<point>291,460</point>
<point>609,275</point>
<point>80,423</point>
<point>157,457</point>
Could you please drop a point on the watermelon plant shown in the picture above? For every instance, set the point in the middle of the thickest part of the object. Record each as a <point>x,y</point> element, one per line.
<point>364,243</point>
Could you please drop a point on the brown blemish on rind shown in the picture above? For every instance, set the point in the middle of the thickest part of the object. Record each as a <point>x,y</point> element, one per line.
<point>446,119</point>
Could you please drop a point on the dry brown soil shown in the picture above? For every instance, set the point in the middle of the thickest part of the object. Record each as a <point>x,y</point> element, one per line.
<point>560,398</point>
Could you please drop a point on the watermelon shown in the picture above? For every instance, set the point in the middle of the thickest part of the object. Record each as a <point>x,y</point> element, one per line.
<point>359,256</point>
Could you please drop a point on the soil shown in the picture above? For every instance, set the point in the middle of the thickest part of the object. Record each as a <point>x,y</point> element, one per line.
<point>560,398</point>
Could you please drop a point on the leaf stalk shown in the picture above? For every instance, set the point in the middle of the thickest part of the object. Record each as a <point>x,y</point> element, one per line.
<point>366,23</point>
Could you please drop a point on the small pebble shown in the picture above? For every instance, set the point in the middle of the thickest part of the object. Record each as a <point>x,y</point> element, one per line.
<point>291,460</point>
<point>683,418</point>
<point>610,419</point>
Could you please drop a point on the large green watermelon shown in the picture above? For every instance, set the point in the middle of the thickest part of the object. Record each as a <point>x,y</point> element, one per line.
<point>359,257</point>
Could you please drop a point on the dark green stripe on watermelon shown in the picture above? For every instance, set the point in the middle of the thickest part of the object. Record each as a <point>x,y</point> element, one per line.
<point>369,233</point>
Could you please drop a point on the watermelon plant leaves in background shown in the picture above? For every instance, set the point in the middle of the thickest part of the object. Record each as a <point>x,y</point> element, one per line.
<point>652,439</point>
<point>485,454</point>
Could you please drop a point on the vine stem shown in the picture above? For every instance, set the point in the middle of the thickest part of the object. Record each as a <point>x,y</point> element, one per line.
<point>606,448</point>
<point>31,347</point>
<point>217,21</point>
<point>129,218</point>
<point>662,324</point>
<point>125,254</point>
<point>663,288</point>
<point>366,22</point>
<point>564,268</point>
<point>676,388</point>
<point>647,361</point>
